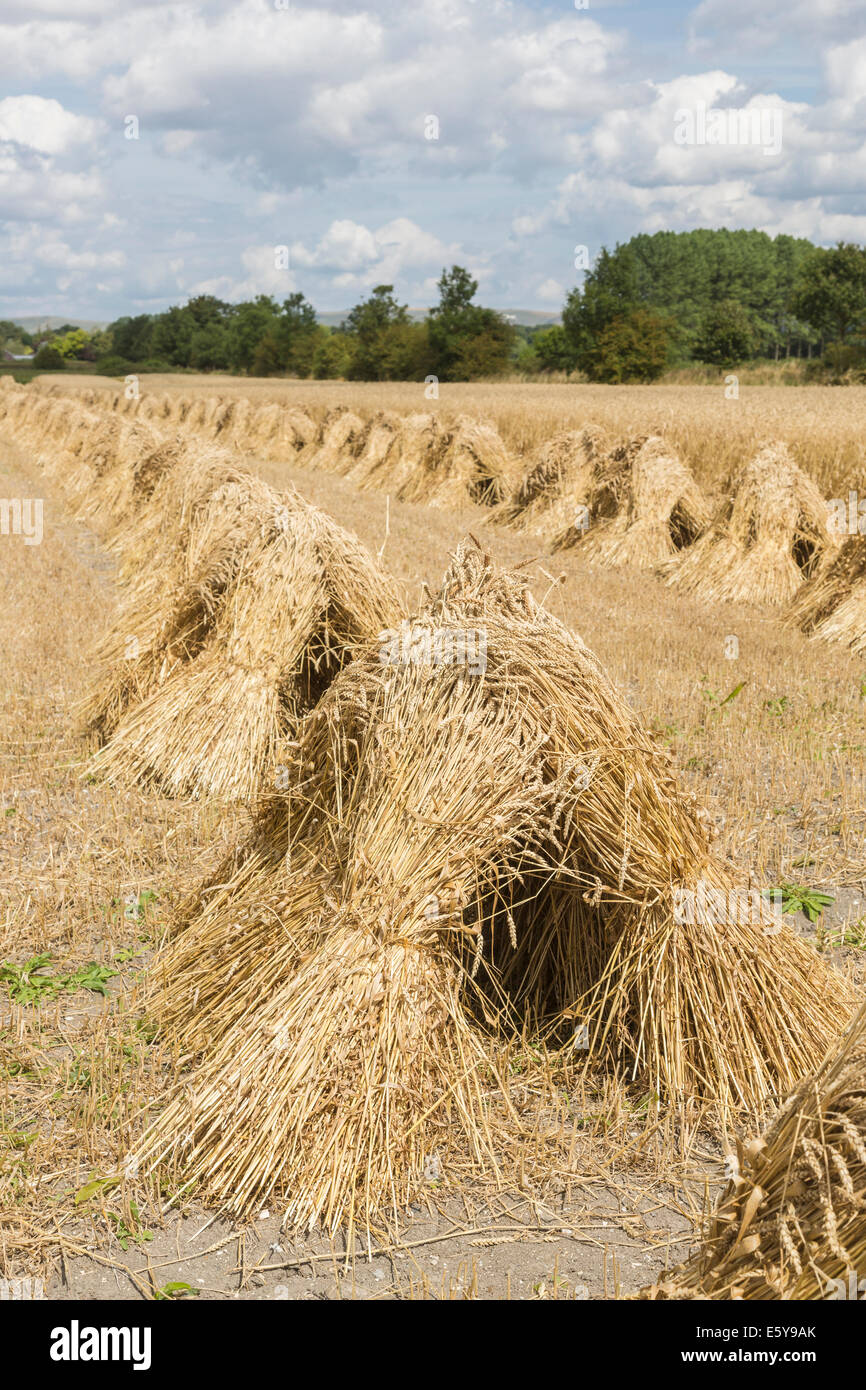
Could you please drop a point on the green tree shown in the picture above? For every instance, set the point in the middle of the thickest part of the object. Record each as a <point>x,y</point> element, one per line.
<point>206,310</point>
<point>131,337</point>
<point>333,357</point>
<point>100,345</point>
<point>610,291</point>
<point>296,335</point>
<point>172,336</point>
<point>209,347</point>
<point>632,347</point>
<point>554,350</point>
<point>303,351</point>
<point>405,352</point>
<point>48,359</point>
<point>526,360</point>
<point>250,321</point>
<point>483,354</point>
<point>16,346</point>
<point>268,357</point>
<point>831,292</point>
<point>367,325</point>
<point>73,343</point>
<point>12,331</point>
<point>467,341</point>
<point>727,335</point>
<point>682,277</point>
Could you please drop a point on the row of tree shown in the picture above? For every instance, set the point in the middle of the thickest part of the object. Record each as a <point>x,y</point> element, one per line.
<point>718,297</point>
<point>47,347</point>
<point>656,302</point>
<point>378,340</point>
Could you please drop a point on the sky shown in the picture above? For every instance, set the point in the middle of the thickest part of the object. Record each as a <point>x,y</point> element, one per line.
<point>160,150</point>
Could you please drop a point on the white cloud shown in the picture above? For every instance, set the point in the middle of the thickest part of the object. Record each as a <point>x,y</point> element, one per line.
<point>306,127</point>
<point>845,67</point>
<point>262,276</point>
<point>634,173</point>
<point>357,256</point>
<point>43,124</point>
<point>551,292</point>
<point>36,188</point>
<point>311,93</point>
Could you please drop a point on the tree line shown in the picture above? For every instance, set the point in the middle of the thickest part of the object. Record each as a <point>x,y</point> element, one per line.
<point>717,297</point>
<point>377,341</point>
<point>651,304</point>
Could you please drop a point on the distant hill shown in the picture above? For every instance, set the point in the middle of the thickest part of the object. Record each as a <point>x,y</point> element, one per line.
<point>34,322</point>
<point>527,318</point>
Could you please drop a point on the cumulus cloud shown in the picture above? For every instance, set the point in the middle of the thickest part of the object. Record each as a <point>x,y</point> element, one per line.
<point>32,186</point>
<point>337,90</point>
<point>356,257</point>
<point>778,169</point>
<point>551,291</point>
<point>383,142</point>
<point>44,125</point>
<point>263,273</point>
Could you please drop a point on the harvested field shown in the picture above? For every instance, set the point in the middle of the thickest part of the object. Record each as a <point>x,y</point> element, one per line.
<point>256,601</point>
<point>713,435</point>
<point>488,908</point>
<point>464,869</point>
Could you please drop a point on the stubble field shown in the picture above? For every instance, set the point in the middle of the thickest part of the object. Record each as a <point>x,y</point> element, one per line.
<point>593,1205</point>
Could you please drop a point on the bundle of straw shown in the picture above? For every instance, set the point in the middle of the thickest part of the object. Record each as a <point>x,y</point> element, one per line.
<point>275,432</point>
<point>644,507</point>
<point>294,600</point>
<point>180,408</point>
<point>765,539</point>
<point>379,441</point>
<point>126,476</point>
<point>832,604</point>
<point>473,467</point>
<point>338,438</point>
<point>237,435</point>
<point>299,430</point>
<point>792,1223</point>
<point>220,421</point>
<point>155,407</point>
<point>420,443</point>
<point>201,411</point>
<point>547,500</point>
<point>128,404</point>
<point>36,415</point>
<point>479,839</point>
<point>178,559</point>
